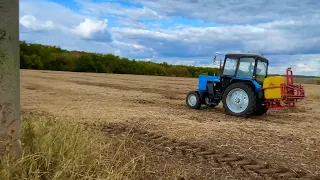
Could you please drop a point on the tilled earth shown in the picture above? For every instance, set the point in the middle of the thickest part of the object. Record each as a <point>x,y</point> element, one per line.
<point>203,144</point>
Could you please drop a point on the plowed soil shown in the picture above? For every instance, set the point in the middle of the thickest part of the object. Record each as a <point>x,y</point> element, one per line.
<point>281,144</point>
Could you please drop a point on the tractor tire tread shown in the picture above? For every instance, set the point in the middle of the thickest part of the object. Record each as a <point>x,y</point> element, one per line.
<point>260,110</point>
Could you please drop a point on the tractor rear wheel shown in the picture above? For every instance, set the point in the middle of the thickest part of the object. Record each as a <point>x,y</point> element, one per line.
<point>260,110</point>
<point>239,99</point>
<point>193,100</point>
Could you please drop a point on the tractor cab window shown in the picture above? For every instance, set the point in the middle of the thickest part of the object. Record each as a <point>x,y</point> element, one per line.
<point>230,67</point>
<point>261,71</point>
<point>246,68</point>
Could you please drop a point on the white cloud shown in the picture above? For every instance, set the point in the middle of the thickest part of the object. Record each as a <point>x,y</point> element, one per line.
<point>231,11</point>
<point>47,10</point>
<point>33,23</point>
<point>117,52</point>
<point>66,41</point>
<point>305,64</point>
<point>89,27</point>
<point>34,14</point>
<point>127,16</point>
<point>117,9</point>
<point>46,15</point>
<point>263,38</point>
<point>130,23</point>
<point>132,50</point>
<point>307,69</point>
<point>310,66</point>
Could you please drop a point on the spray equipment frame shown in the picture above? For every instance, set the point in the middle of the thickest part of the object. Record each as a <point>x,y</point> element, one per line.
<point>290,93</point>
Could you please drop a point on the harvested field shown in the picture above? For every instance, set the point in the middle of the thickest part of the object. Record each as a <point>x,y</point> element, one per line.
<point>206,142</point>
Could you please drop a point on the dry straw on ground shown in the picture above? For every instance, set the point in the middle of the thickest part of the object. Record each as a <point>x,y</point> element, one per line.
<point>55,149</point>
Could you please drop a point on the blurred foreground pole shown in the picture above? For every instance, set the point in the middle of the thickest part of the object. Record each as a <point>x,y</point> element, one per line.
<point>10,121</point>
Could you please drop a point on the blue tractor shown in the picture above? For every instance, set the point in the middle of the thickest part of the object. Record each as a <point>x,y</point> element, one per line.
<point>239,86</point>
<point>244,88</point>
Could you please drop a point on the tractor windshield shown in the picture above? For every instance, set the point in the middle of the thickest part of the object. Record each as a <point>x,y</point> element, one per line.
<point>230,67</point>
<point>261,71</point>
<point>246,68</point>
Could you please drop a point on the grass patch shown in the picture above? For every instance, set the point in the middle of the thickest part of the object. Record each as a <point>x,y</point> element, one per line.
<point>57,149</point>
<point>314,96</point>
<point>301,80</point>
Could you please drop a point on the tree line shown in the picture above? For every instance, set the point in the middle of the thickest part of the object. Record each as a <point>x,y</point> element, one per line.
<point>45,57</point>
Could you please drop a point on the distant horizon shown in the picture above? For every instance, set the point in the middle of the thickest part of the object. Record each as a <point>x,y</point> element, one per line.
<point>179,32</point>
<point>213,66</point>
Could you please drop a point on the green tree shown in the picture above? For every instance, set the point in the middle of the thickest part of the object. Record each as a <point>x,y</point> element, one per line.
<point>85,64</point>
<point>196,74</point>
<point>37,56</point>
<point>203,72</point>
<point>32,62</point>
<point>178,71</point>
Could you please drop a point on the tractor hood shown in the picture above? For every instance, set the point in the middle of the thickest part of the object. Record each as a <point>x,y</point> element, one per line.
<point>203,79</point>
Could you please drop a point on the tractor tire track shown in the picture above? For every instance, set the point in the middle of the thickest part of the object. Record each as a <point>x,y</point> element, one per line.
<point>251,168</point>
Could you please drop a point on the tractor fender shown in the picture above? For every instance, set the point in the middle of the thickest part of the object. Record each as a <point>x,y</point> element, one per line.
<point>201,93</point>
<point>254,84</point>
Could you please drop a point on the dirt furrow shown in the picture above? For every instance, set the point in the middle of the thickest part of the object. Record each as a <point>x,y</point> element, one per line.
<point>250,167</point>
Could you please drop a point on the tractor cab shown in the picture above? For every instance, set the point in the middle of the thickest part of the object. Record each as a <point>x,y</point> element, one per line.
<point>244,66</point>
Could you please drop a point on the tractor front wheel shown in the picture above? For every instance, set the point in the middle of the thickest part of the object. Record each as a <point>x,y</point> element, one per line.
<point>239,99</point>
<point>193,100</point>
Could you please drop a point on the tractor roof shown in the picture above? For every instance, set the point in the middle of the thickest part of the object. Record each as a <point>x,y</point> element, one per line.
<point>238,55</point>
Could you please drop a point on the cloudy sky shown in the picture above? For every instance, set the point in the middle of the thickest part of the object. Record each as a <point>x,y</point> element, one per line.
<point>180,31</point>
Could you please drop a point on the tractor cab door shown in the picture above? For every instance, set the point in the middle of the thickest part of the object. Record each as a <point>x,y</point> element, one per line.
<point>228,71</point>
<point>246,68</point>
<point>261,71</point>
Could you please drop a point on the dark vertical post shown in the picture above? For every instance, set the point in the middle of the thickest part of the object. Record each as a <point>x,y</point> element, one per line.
<point>10,121</point>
